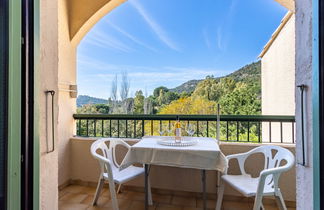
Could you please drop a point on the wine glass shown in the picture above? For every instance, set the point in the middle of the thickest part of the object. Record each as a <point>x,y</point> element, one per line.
<point>190,129</point>
<point>168,129</point>
<point>161,132</point>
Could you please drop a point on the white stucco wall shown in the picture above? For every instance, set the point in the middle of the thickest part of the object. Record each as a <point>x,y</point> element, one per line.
<point>67,105</point>
<point>304,76</point>
<point>46,79</point>
<point>278,82</point>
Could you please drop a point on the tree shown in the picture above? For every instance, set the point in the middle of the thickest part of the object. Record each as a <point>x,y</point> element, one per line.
<point>190,105</point>
<point>148,106</point>
<point>93,109</point>
<point>124,86</point>
<point>124,90</point>
<point>157,91</point>
<point>129,105</point>
<point>241,101</point>
<point>213,89</point>
<point>113,93</point>
<point>139,102</point>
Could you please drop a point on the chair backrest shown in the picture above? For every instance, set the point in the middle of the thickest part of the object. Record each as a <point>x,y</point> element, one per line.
<point>107,160</point>
<point>274,155</point>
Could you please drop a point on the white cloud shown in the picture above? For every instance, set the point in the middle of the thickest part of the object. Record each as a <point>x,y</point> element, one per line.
<point>131,37</point>
<point>104,40</point>
<point>156,28</point>
<point>206,38</point>
<point>223,31</point>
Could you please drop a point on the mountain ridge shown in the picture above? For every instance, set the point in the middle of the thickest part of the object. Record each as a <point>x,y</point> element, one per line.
<point>248,73</point>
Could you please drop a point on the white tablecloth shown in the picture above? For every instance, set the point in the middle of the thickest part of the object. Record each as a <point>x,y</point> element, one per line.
<point>205,154</point>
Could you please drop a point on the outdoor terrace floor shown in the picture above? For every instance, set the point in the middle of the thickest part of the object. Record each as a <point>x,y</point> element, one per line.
<point>76,197</point>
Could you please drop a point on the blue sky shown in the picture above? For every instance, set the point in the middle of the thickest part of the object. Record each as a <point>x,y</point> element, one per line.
<point>168,42</point>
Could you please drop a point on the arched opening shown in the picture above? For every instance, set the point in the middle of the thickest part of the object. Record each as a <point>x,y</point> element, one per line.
<point>128,39</point>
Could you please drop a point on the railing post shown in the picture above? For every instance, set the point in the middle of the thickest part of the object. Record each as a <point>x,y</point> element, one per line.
<point>293,132</point>
<point>117,128</point>
<point>87,127</point>
<point>226,130</point>
<point>79,130</point>
<point>207,129</point>
<point>110,127</point>
<point>95,128</point>
<point>259,132</point>
<point>270,131</point>
<point>237,131</point>
<point>126,129</point>
<point>248,131</point>
<point>102,128</point>
<point>134,128</point>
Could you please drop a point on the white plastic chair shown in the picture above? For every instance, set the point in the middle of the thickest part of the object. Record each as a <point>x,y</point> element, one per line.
<point>110,168</point>
<point>264,185</point>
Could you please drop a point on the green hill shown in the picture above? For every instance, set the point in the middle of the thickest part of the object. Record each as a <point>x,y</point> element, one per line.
<point>84,99</point>
<point>250,73</point>
<point>186,87</point>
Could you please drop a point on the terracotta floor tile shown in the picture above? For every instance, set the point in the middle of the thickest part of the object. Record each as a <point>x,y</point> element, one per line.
<point>73,197</point>
<point>232,205</point>
<point>210,203</point>
<point>90,190</point>
<point>184,201</point>
<point>135,196</point>
<point>158,198</point>
<point>196,208</point>
<point>80,198</point>
<point>72,206</point>
<point>99,208</point>
<point>102,201</point>
<point>61,193</point>
<point>75,189</point>
<point>139,205</point>
<point>122,203</point>
<point>168,207</point>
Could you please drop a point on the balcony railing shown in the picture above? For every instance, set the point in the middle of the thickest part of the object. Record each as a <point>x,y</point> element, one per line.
<point>237,128</point>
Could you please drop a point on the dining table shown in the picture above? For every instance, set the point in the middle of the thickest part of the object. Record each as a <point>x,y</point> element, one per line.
<point>202,153</point>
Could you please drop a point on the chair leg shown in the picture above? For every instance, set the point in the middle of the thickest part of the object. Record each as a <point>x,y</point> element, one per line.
<point>280,201</point>
<point>150,201</point>
<point>118,189</point>
<point>258,202</point>
<point>113,194</point>
<point>101,182</point>
<point>220,194</point>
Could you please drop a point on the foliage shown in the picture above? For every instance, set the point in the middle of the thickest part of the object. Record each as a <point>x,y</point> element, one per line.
<point>190,105</point>
<point>213,89</point>
<point>157,91</point>
<point>241,101</point>
<point>93,109</point>
<point>139,102</point>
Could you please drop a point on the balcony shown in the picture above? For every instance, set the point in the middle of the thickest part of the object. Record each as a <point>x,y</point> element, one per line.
<point>174,188</point>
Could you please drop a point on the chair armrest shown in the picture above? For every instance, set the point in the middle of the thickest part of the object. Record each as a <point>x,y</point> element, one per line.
<point>276,170</point>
